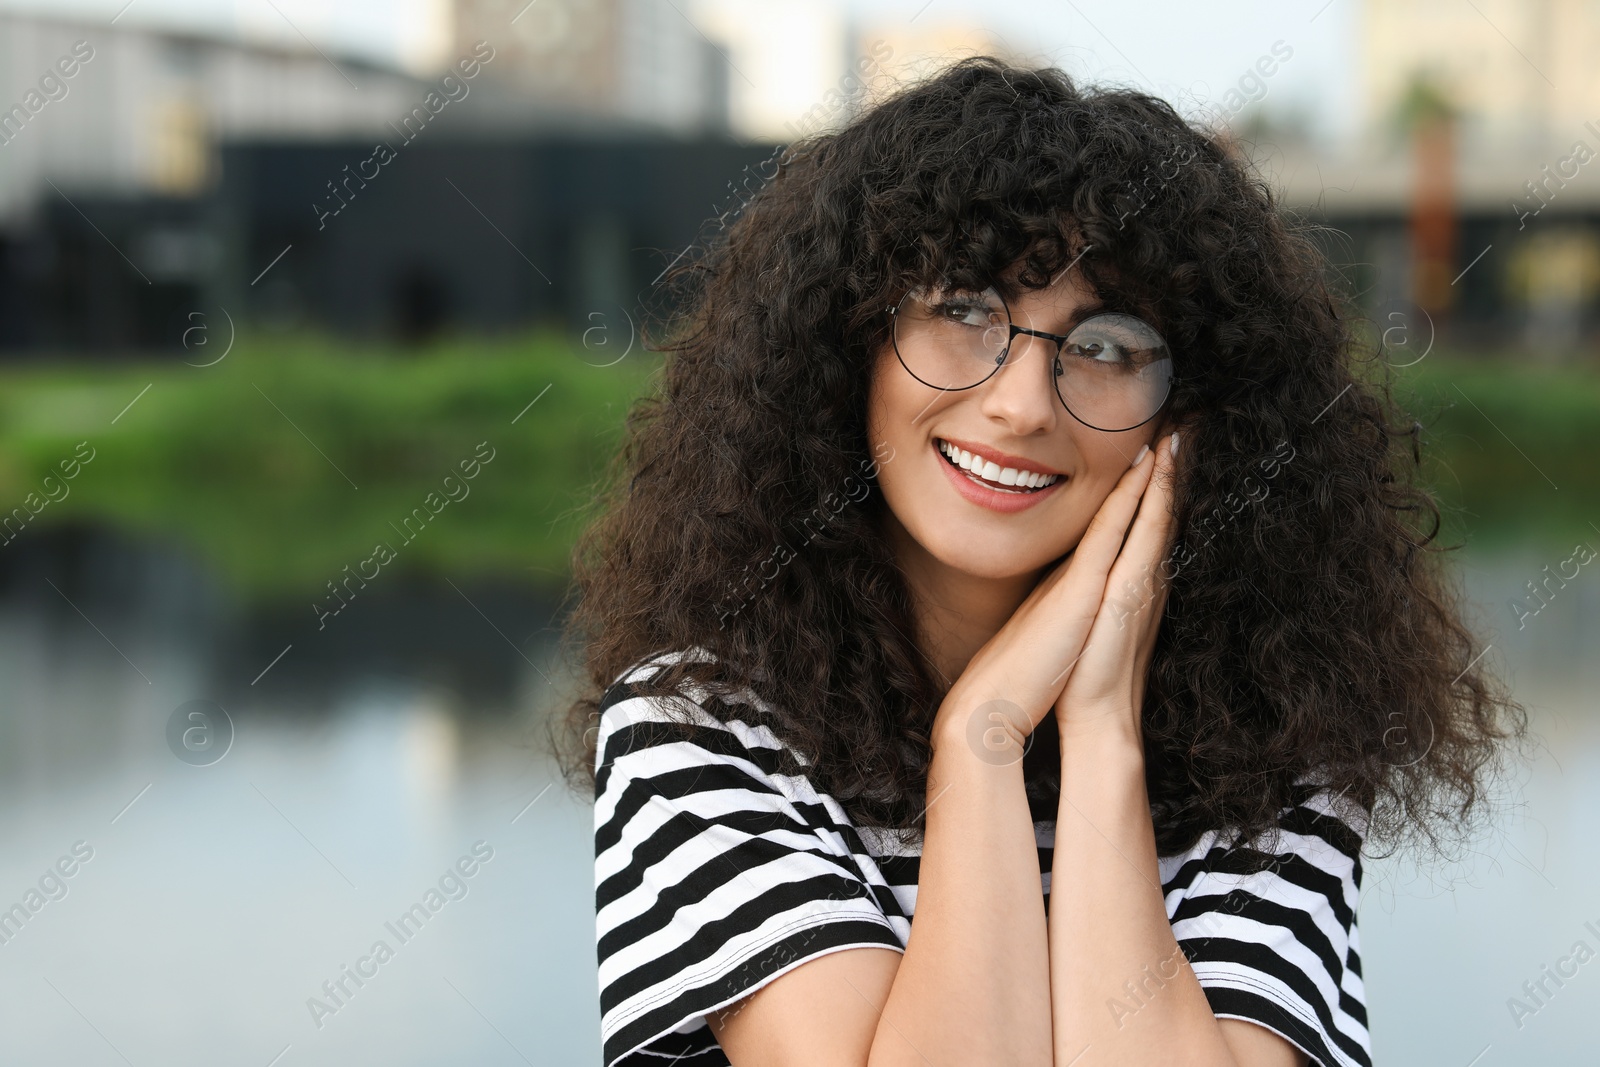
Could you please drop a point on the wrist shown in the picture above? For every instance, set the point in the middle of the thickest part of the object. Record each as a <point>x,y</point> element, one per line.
<point>995,731</point>
<point>1098,765</point>
<point>1104,731</point>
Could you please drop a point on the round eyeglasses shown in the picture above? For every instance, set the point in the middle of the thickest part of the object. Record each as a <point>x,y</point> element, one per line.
<point>1112,371</point>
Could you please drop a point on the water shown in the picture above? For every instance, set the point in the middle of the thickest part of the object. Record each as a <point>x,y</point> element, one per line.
<point>218,899</point>
<point>1447,949</point>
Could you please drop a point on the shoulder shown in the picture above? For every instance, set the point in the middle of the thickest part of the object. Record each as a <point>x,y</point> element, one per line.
<point>645,728</point>
<point>1319,829</point>
<point>1269,925</point>
<point>718,866</point>
<point>674,763</point>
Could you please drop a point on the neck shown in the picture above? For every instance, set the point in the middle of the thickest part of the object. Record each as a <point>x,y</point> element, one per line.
<point>956,612</point>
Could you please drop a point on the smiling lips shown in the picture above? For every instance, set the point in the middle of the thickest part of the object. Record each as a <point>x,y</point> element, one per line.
<point>997,475</point>
<point>996,481</point>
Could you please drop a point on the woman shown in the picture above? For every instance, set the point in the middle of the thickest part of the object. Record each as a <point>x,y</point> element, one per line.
<point>1010,507</point>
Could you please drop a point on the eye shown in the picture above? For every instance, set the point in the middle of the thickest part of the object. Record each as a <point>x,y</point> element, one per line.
<point>1098,350</point>
<point>979,310</point>
<point>1115,340</point>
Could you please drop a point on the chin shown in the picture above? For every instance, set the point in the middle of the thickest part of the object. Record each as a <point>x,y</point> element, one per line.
<point>994,558</point>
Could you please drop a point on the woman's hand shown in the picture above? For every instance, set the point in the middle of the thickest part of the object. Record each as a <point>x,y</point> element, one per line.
<point>1106,687</point>
<point>1014,679</point>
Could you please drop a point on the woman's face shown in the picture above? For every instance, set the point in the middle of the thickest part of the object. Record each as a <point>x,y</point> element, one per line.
<point>1014,419</point>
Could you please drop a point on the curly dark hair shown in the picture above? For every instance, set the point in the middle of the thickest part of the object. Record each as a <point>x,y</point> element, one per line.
<point>1311,626</point>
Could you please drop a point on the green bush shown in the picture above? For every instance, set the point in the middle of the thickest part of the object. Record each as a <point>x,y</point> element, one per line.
<point>1507,449</point>
<point>249,463</point>
<point>286,461</point>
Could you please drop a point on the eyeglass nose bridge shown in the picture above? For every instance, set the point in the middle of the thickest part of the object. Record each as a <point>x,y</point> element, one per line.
<point>1005,353</point>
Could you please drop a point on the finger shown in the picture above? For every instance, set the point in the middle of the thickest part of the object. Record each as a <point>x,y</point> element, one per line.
<point>1136,579</point>
<point>1086,565</point>
<point>1156,501</point>
<point>1158,609</point>
<point>1098,547</point>
<point>1073,594</point>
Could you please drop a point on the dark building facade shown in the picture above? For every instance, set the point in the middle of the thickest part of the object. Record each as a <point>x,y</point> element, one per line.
<point>402,240</point>
<point>390,240</point>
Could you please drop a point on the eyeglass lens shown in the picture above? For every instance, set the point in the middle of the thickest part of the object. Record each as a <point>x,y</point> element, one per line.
<point>1112,372</point>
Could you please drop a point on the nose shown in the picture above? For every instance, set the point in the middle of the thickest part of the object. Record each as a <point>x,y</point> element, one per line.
<point>1022,392</point>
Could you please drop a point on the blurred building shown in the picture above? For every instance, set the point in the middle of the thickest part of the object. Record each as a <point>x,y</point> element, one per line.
<point>168,171</point>
<point>466,233</point>
<point>755,71</point>
<point>1521,71</point>
<point>178,172</point>
<point>1492,111</point>
<point>804,66</point>
<point>637,62</point>
<point>144,109</point>
<point>109,142</point>
<point>145,172</point>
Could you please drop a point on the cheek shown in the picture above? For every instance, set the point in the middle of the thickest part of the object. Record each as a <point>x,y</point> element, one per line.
<point>876,405</point>
<point>1106,458</point>
<point>897,406</point>
<point>898,411</point>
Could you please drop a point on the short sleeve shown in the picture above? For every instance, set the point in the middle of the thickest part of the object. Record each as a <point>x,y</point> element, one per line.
<point>714,874</point>
<point>1280,946</point>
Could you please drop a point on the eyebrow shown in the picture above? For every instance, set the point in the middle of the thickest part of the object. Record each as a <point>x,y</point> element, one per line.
<point>1084,312</point>
<point>1089,310</point>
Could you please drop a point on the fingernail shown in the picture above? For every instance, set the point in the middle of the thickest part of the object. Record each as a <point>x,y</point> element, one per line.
<point>1174,443</point>
<point>1140,457</point>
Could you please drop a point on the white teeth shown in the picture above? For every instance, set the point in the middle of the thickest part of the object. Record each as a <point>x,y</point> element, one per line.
<point>993,472</point>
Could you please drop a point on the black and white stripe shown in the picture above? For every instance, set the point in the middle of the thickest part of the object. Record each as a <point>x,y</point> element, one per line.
<point>716,871</point>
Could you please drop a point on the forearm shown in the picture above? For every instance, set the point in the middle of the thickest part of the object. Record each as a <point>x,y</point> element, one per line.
<point>973,985</point>
<point>1120,986</point>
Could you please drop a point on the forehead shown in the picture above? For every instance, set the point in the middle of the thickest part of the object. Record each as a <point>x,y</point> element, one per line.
<point>1067,293</point>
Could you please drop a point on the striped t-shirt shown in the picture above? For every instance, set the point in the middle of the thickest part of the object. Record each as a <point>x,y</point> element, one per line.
<point>715,872</point>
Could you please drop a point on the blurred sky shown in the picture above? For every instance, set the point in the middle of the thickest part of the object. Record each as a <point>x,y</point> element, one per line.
<point>1187,52</point>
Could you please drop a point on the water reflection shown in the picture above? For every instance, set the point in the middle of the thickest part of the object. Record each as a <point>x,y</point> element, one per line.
<point>1447,950</point>
<point>219,905</point>
<point>222,904</point>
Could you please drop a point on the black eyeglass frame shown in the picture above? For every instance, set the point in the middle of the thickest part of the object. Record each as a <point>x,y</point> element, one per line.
<point>1060,340</point>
